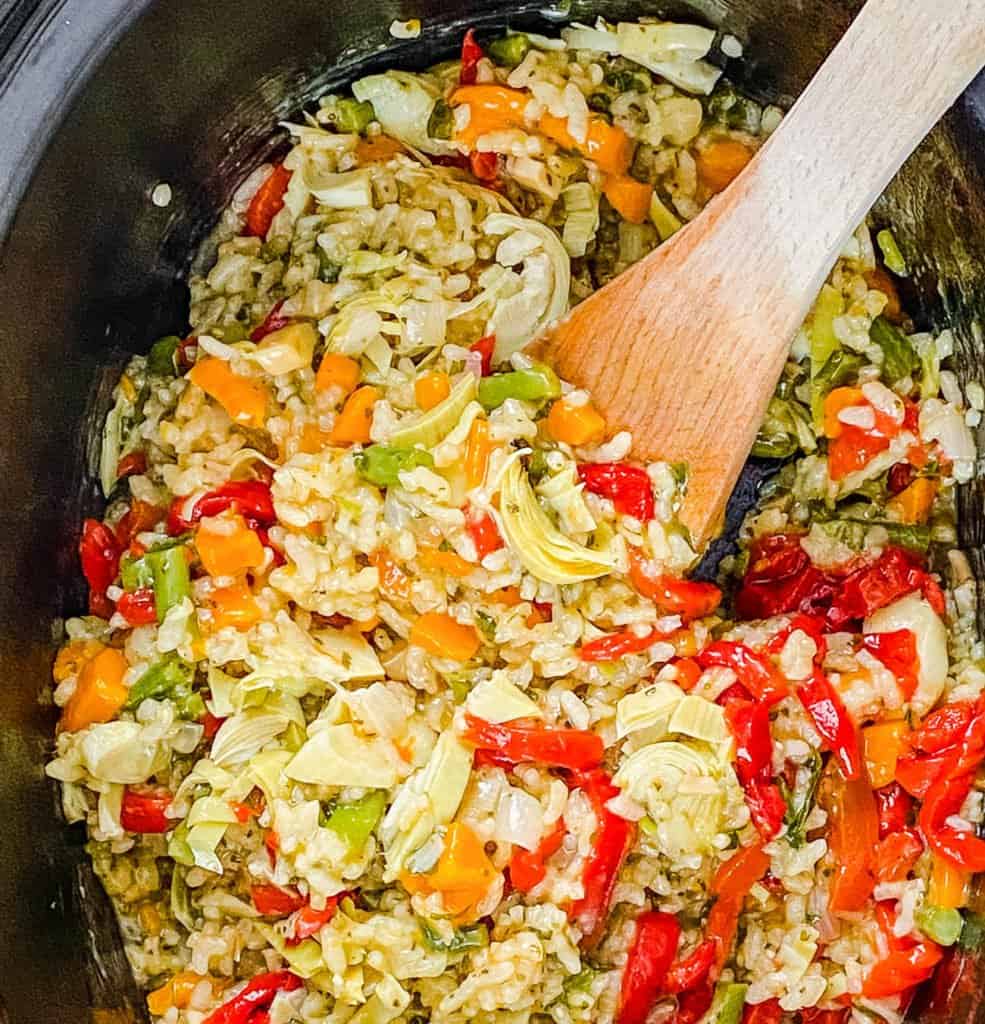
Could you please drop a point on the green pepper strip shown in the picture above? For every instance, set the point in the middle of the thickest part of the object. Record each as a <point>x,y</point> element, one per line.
<point>537,384</point>
<point>354,822</point>
<point>172,584</point>
<point>382,464</point>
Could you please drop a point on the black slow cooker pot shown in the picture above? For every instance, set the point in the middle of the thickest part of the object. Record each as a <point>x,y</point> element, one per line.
<point>102,100</point>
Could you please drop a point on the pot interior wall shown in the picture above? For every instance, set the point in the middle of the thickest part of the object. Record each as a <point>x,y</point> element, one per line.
<point>192,94</point>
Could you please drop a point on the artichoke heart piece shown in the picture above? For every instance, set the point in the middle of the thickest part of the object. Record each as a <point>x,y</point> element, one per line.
<point>700,719</point>
<point>544,551</point>
<point>650,708</point>
<point>436,424</point>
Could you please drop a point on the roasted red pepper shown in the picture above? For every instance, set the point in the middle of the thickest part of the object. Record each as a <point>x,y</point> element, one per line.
<point>520,741</point>
<point>275,900</point>
<point>690,599</point>
<point>131,464</point>
<point>895,856</point>
<point>755,671</point>
<point>949,745</point>
<point>831,720</point>
<point>528,867</point>
<point>100,555</point>
<point>267,202</point>
<point>139,517</point>
<point>749,724</point>
<point>693,1005</point>
<point>960,847</point>
<point>901,970</point>
<point>257,995</point>
<point>273,321</point>
<point>650,955</point>
<point>613,838</point>
<point>893,804</point>
<point>762,1013</point>
<point>689,973</point>
<point>781,579</point>
<point>614,646</point>
<point>898,652</point>
<point>482,528</point>
<point>139,607</point>
<point>731,884</point>
<point>485,347</point>
<point>210,725</point>
<point>472,53</point>
<point>628,487</point>
<point>308,921</point>
<point>251,498</point>
<point>891,576</point>
<point>853,832</point>
<point>484,166</point>
<point>143,810</point>
<point>813,1015</point>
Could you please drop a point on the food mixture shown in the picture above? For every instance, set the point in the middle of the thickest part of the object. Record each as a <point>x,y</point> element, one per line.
<point>393,703</point>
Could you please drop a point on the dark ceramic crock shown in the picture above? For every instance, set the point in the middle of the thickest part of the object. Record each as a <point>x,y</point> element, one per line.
<point>102,99</point>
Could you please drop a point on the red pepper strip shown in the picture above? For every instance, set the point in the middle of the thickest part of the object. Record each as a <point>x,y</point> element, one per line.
<point>528,867</point>
<point>959,847</point>
<point>143,811</point>
<point>308,921</point>
<point>812,625</point>
<point>898,652</point>
<point>688,598</point>
<point>894,805</point>
<point>614,646</point>
<point>950,744</point>
<point>832,722</point>
<point>485,347</point>
<point>893,575</point>
<point>211,725</point>
<point>852,836</point>
<point>943,728</point>
<point>482,528</point>
<point>781,579</point>
<point>100,555</point>
<point>692,1006</point>
<point>138,608</point>
<point>628,487</point>
<point>650,955</point>
<point>484,166</point>
<point>251,498</point>
<point>273,321</point>
<point>812,1015</point>
<point>762,1013</point>
<point>472,53</point>
<point>140,516</point>
<point>131,464</point>
<point>267,202</point>
<point>258,994</point>
<point>689,973</point>
<point>895,856</point>
<point>901,970</point>
<point>755,671</point>
<point>749,724</point>
<point>613,838</point>
<point>275,901</point>
<point>520,741</point>
<point>731,885</point>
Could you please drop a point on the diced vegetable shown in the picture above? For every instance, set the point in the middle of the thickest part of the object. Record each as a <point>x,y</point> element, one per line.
<point>339,371</point>
<point>242,398</point>
<point>606,144</point>
<point>575,749</point>
<point>144,811</point>
<point>824,344</point>
<point>628,487</point>
<point>941,924</point>
<point>471,55</point>
<point>354,421</point>
<point>948,884</point>
<point>463,874</point>
<point>538,384</point>
<point>890,253</point>
<point>629,198</point>
<point>664,219</point>
<point>267,202</point>
<point>444,637</point>
<point>169,678</point>
<point>899,359</point>
<point>726,1006</point>
<point>509,50</point>
<point>234,606</point>
<point>100,693</point>
<point>720,163</point>
<point>431,388</point>
<point>161,358</point>
<point>402,102</point>
<point>581,206</point>
<point>651,953</point>
<point>226,546</point>
<point>575,424</point>
<point>915,503</point>
<point>382,464</point>
<point>353,116</point>
<point>256,996</point>
<point>477,452</point>
<point>882,745</point>
<point>99,553</point>
<point>355,822</point>
<point>854,832</point>
<point>832,722</point>
<point>439,421</point>
<point>690,599</point>
<point>285,350</point>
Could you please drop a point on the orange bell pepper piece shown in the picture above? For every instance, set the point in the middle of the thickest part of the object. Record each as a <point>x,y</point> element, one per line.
<point>394,582</point>
<point>948,884</point>
<point>72,658</point>
<point>835,402</point>
<point>356,417</point>
<point>915,503</point>
<point>508,596</point>
<point>721,163</point>
<point>492,108</point>
<point>336,370</point>
<point>430,389</point>
<point>228,547</point>
<point>882,745</point>
<point>177,991</point>
<point>463,873</point>
<point>100,692</point>
<point>377,149</point>
<point>445,561</point>
<point>575,424</point>
<point>629,198</point>
<point>607,144</point>
<point>234,606</point>
<point>445,637</point>
<point>852,837</point>
<point>477,451</point>
<point>245,400</point>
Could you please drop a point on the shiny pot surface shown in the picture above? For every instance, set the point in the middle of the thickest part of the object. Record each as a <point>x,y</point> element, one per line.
<point>100,100</point>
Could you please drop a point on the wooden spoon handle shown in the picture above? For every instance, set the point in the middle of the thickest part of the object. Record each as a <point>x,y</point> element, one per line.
<point>895,72</point>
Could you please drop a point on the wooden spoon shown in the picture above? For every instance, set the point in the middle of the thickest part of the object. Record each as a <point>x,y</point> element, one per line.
<point>685,347</point>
